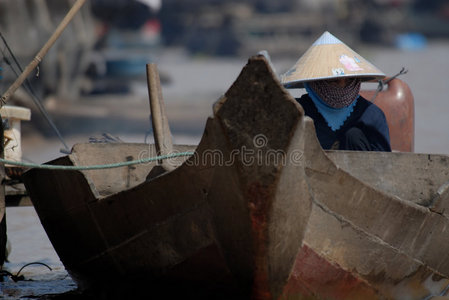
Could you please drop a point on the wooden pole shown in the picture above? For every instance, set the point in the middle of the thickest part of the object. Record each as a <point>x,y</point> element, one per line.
<point>161,129</point>
<point>40,55</point>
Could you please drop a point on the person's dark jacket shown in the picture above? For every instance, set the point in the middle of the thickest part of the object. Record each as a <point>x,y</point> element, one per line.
<point>366,116</point>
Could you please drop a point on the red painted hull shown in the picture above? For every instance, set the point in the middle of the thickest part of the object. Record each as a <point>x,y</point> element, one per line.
<point>315,277</point>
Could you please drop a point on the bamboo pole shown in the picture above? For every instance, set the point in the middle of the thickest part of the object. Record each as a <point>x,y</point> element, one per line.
<point>40,55</point>
<point>161,129</point>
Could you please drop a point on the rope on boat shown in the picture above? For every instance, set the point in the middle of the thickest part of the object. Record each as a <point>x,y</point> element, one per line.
<point>95,167</point>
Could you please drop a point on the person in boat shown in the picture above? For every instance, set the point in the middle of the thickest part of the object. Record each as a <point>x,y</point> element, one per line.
<point>332,73</point>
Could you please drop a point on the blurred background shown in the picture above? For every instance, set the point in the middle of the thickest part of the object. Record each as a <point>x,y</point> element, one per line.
<point>93,80</point>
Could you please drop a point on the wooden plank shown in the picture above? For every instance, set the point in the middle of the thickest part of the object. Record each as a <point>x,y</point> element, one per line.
<point>161,129</point>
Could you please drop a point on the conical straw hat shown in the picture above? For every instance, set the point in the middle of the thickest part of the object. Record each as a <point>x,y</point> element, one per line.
<point>329,58</point>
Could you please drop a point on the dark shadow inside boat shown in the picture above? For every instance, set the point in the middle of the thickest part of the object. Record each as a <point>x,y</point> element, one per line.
<point>420,178</point>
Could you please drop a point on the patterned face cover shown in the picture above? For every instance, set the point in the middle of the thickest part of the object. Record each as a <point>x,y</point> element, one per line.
<point>334,96</point>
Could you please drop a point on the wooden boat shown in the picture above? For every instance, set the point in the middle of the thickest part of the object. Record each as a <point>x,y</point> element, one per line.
<point>259,209</point>
<point>117,227</point>
<point>375,230</point>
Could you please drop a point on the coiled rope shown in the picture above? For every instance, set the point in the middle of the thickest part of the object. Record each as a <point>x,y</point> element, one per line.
<point>95,167</point>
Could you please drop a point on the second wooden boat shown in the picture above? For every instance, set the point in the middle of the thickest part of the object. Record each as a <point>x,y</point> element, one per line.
<point>377,227</point>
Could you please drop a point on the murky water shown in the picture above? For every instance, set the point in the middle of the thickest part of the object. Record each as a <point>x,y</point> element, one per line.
<point>30,244</point>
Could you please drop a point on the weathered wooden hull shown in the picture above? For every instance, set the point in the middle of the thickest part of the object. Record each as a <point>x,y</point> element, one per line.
<point>374,231</point>
<point>260,209</point>
<point>112,227</point>
<point>382,242</point>
<point>257,127</point>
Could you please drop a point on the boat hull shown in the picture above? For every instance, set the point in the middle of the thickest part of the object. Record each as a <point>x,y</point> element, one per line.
<point>257,127</point>
<point>154,231</point>
<point>379,237</point>
<point>355,244</point>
